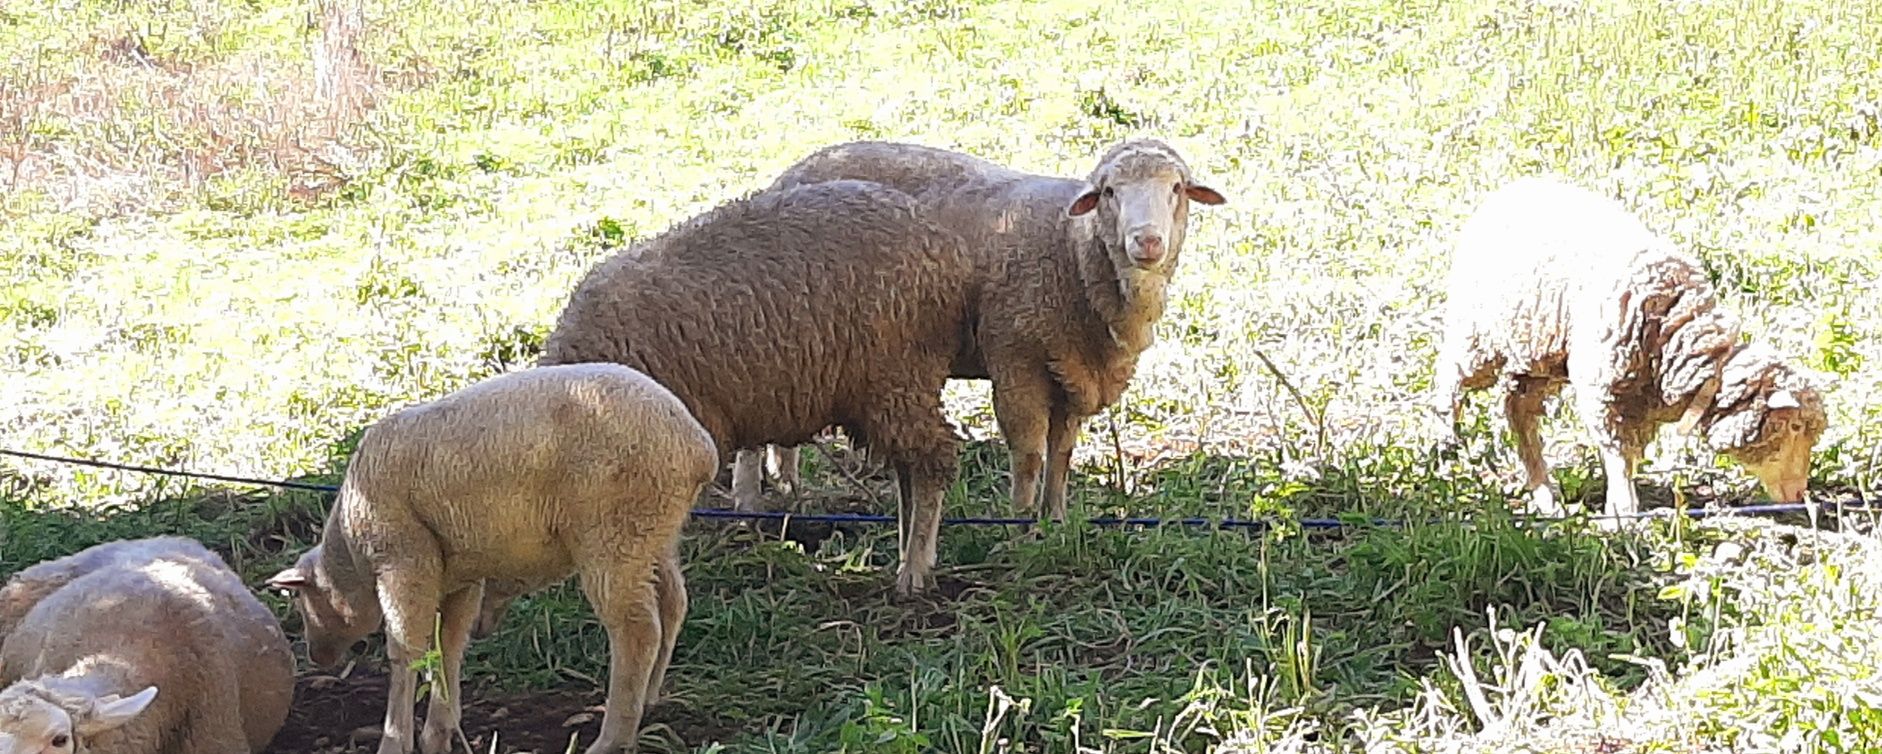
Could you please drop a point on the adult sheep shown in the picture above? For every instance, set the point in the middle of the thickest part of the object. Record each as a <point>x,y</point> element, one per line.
<point>779,314</point>
<point>1552,284</point>
<point>149,646</point>
<point>517,481</point>
<point>1075,275</point>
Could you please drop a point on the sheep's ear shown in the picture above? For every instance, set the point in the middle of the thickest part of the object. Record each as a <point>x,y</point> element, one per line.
<point>1783,399</point>
<point>1085,203</point>
<point>1201,194</point>
<point>292,579</point>
<point>107,712</point>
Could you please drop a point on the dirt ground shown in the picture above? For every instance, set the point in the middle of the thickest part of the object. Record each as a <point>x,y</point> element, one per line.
<point>333,715</point>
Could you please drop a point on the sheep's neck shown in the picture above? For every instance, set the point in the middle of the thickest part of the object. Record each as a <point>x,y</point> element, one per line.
<point>355,590</point>
<point>1128,309</point>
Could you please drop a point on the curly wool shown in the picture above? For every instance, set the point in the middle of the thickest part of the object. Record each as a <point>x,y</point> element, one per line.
<point>1739,417</point>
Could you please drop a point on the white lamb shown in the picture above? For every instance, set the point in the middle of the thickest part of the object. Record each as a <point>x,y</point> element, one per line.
<point>518,481</point>
<point>149,646</point>
<point>1552,284</point>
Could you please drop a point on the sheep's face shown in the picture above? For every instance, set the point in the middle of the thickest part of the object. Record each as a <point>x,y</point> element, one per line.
<point>1139,204</point>
<point>331,625</point>
<point>31,723</point>
<point>1776,441</point>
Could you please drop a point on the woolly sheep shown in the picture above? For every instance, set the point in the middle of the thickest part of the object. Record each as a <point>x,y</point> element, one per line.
<point>1076,275</point>
<point>517,482</point>
<point>139,647</point>
<point>782,313</point>
<point>1551,284</point>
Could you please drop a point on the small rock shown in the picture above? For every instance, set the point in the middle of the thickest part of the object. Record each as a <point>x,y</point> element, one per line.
<point>579,718</point>
<point>365,732</point>
<point>500,713</point>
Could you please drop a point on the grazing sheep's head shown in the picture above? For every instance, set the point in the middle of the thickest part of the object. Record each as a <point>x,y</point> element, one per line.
<point>490,613</point>
<point>37,720</point>
<point>1767,416</point>
<point>331,622</point>
<point>1140,193</point>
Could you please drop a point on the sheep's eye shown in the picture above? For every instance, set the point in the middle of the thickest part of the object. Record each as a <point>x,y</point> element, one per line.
<point>1108,193</point>
<point>59,741</point>
<point>1176,188</point>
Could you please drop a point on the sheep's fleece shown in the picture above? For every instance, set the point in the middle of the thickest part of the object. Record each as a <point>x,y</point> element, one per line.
<point>1553,284</point>
<point>150,646</point>
<point>1073,281</point>
<point>779,314</point>
<point>519,481</point>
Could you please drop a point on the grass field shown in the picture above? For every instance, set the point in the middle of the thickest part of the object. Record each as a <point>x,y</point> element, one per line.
<point>232,234</point>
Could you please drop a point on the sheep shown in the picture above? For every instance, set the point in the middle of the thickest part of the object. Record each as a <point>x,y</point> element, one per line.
<point>1551,284</point>
<point>1071,299</point>
<point>139,647</point>
<point>515,482</point>
<point>781,313</point>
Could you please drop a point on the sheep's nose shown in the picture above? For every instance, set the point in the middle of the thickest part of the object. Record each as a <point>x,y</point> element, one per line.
<point>1146,247</point>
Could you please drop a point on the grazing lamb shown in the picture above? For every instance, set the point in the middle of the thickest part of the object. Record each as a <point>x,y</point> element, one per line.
<point>149,646</point>
<point>1552,284</point>
<point>1075,276</point>
<point>515,482</point>
<point>779,314</point>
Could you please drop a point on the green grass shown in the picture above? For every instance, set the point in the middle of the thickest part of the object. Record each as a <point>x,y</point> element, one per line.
<point>209,275</point>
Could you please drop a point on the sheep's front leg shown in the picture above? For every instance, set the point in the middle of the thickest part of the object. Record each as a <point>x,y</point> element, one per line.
<point>905,509</point>
<point>408,597</point>
<point>926,491</point>
<point>1021,406</point>
<point>746,468</point>
<point>782,463</point>
<point>623,597</point>
<point>444,712</point>
<point>1061,437</point>
<point>1619,461</point>
<point>1522,404</point>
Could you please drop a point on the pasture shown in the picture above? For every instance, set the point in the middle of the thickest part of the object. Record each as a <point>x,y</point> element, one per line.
<point>232,234</point>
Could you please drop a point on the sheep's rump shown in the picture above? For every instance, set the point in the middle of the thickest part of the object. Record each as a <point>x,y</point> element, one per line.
<point>515,471</point>
<point>912,169</point>
<point>776,315</point>
<point>1537,257</point>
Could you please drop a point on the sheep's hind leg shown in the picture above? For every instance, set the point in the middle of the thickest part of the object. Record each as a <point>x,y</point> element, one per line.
<point>1522,403</point>
<point>625,601</point>
<point>445,711</point>
<point>670,592</point>
<point>1061,437</point>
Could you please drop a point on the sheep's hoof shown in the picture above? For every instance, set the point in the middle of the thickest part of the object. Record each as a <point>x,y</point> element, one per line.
<point>436,740</point>
<point>911,582</point>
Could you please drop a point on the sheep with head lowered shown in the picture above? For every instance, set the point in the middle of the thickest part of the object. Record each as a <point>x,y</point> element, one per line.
<point>1075,275</point>
<point>1552,285</point>
<point>515,482</point>
<point>148,646</point>
<point>785,312</point>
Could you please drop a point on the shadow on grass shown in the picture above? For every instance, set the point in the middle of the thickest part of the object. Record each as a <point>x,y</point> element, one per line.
<point>795,642</point>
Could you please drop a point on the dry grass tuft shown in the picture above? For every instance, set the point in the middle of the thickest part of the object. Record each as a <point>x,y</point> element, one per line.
<point>121,122</point>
